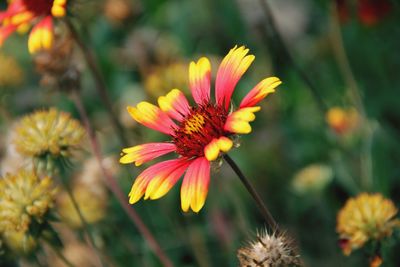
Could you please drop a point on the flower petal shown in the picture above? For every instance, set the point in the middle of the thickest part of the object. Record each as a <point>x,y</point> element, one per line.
<point>195,185</point>
<point>174,104</point>
<point>153,117</point>
<point>160,170</point>
<point>233,66</point>
<point>199,80</point>
<point>238,121</point>
<point>211,151</point>
<point>142,153</point>
<point>58,8</point>
<point>225,144</point>
<point>161,185</point>
<point>258,93</point>
<point>41,36</point>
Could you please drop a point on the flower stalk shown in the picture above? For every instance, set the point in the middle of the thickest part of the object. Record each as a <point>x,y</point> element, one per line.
<point>99,80</point>
<point>343,62</point>
<point>85,225</point>
<point>250,188</point>
<point>113,185</point>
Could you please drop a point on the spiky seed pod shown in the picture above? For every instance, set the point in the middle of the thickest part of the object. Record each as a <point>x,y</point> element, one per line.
<point>50,132</point>
<point>24,198</point>
<point>275,250</point>
<point>363,218</point>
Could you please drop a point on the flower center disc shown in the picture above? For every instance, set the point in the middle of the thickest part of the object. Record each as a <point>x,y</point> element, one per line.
<point>203,124</point>
<point>39,7</point>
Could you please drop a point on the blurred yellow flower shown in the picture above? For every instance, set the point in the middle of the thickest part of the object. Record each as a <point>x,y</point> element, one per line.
<point>20,242</point>
<point>312,179</point>
<point>11,73</point>
<point>92,205</point>
<point>161,79</point>
<point>342,121</point>
<point>49,132</point>
<point>24,198</point>
<point>363,218</point>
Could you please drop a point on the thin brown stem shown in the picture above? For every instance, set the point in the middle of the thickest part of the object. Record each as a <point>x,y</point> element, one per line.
<point>79,212</point>
<point>99,80</point>
<point>250,188</point>
<point>114,187</point>
<point>285,49</point>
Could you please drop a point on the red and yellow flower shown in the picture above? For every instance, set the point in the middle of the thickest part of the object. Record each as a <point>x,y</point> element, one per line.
<point>199,133</point>
<point>22,14</point>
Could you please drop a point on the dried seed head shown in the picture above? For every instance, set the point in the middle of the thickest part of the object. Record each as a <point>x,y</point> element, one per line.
<point>274,250</point>
<point>24,198</point>
<point>58,65</point>
<point>45,133</point>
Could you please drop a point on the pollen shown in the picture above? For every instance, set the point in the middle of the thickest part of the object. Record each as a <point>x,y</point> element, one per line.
<point>203,124</point>
<point>194,124</point>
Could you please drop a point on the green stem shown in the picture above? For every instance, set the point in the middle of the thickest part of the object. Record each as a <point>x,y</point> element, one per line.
<point>343,62</point>
<point>113,185</point>
<point>99,80</point>
<point>85,225</point>
<point>285,49</point>
<point>260,204</point>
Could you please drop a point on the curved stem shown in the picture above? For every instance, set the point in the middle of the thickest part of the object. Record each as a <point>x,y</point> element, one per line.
<point>250,188</point>
<point>277,36</point>
<point>79,212</point>
<point>99,80</point>
<point>114,187</point>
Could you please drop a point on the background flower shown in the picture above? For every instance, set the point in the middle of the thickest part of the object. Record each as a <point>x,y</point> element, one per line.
<point>21,14</point>
<point>49,132</point>
<point>364,218</point>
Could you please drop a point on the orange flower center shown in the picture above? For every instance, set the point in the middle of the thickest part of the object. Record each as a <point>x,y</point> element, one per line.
<point>203,124</point>
<point>194,124</point>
